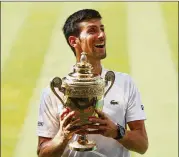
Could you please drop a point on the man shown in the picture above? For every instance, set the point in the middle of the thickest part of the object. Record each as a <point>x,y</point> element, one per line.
<point>84,32</point>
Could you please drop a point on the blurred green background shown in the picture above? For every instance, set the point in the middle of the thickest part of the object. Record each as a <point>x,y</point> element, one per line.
<point>142,40</point>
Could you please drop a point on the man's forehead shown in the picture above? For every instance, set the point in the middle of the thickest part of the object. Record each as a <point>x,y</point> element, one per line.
<point>91,22</point>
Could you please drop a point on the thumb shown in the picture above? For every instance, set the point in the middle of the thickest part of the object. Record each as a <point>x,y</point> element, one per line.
<point>100,114</point>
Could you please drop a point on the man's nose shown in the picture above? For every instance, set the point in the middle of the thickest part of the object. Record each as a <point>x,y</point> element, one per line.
<point>101,35</point>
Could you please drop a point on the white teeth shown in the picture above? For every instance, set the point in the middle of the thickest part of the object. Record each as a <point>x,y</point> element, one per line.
<point>102,44</point>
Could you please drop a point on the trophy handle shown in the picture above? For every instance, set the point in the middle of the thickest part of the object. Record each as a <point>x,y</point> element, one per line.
<point>110,76</point>
<point>57,82</point>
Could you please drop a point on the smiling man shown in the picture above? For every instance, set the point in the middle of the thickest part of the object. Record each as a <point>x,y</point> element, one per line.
<point>84,32</point>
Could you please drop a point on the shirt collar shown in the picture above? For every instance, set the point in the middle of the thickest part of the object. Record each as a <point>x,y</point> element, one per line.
<point>103,73</point>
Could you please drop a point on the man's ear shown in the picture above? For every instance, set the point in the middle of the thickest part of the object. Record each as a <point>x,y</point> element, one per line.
<point>73,41</point>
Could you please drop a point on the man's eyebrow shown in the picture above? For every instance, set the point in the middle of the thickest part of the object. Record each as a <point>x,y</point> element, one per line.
<point>91,26</point>
<point>94,26</point>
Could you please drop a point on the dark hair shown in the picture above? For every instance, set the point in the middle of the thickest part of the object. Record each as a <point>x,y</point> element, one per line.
<point>71,25</point>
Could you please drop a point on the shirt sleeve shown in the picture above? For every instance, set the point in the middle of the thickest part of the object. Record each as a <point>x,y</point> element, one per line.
<point>48,124</point>
<point>135,108</point>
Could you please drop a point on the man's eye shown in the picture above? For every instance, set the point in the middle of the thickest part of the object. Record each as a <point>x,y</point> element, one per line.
<point>92,30</point>
<point>102,29</point>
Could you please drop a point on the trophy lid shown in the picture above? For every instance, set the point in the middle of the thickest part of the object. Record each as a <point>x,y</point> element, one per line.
<point>82,82</point>
<point>82,71</point>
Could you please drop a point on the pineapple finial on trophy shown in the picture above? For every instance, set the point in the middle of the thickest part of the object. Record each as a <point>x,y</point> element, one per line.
<point>83,58</point>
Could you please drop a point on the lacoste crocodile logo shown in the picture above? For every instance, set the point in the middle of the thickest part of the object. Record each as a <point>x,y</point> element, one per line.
<point>113,102</point>
<point>142,107</point>
<point>40,123</point>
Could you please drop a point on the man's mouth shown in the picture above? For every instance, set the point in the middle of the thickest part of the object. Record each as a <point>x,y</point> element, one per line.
<point>102,45</point>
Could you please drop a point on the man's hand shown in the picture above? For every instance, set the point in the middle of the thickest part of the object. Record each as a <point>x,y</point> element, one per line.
<point>102,125</point>
<point>54,147</point>
<point>68,122</point>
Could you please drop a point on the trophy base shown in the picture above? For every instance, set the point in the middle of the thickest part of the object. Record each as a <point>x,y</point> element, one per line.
<point>89,146</point>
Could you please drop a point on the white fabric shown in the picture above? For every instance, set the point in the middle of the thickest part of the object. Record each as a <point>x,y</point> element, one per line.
<point>128,107</point>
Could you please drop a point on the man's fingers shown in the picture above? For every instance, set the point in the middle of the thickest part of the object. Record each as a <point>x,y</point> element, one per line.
<point>75,121</point>
<point>98,127</point>
<point>98,120</point>
<point>91,117</point>
<point>64,112</point>
<point>95,132</point>
<point>71,125</point>
<point>79,131</point>
<point>68,118</point>
<point>75,129</point>
<point>100,114</point>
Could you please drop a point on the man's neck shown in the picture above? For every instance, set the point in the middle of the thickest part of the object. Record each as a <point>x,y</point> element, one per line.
<point>97,67</point>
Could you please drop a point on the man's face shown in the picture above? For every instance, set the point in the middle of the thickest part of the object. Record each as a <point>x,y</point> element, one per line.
<point>92,38</point>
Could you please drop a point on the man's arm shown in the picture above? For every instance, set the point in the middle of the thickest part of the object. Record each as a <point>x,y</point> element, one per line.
<point>54,147</point>
<point>41,140</point>
<point>55,126</point>
<point>136,138</point>
<point>48,147</point>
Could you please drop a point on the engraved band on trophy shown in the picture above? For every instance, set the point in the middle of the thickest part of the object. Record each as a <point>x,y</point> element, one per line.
<point>83,92</point>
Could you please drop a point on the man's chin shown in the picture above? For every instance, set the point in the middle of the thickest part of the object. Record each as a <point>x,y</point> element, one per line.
<point>99,55</point>
<point>103,56</point>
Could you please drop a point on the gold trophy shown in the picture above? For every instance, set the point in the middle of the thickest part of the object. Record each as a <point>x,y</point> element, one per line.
<point>83,92</point>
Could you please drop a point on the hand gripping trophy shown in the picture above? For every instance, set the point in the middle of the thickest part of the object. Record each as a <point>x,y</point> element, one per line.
<point>83,92</point>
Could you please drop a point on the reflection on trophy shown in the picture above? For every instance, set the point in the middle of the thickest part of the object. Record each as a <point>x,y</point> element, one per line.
<point>83,92</point>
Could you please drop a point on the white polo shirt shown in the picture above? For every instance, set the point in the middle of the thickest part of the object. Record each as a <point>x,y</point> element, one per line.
<point>122,104</point>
